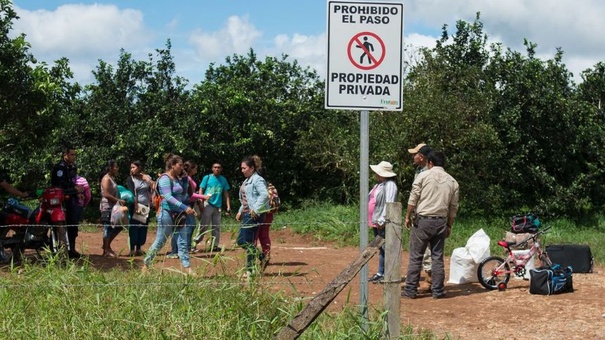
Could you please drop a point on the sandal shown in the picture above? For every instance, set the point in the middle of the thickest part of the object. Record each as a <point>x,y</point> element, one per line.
<point>109,253</point>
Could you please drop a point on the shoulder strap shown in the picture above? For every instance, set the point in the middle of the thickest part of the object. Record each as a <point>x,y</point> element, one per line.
<point>206,178</point>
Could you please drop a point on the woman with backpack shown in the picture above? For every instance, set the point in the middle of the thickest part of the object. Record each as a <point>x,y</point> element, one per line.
<point>255,203</point>
<point>172,213</point>
<point>187,181</point>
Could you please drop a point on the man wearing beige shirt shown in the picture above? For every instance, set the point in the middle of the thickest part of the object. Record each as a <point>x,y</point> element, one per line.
<point>434,198</point>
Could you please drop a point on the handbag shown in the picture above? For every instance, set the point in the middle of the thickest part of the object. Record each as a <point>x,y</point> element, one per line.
<point>141,213</point>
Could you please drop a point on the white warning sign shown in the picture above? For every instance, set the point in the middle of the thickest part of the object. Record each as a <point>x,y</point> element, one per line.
<point>364,64</point>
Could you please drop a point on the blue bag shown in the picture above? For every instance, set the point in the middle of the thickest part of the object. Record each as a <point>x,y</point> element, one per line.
<point>553,280</point>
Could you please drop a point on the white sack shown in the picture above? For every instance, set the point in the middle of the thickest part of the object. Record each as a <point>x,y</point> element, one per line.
<point>463,268</point>
<point>465,260</point>
<point>478,246</point>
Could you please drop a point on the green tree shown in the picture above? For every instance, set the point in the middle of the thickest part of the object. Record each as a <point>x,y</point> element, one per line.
<point>33,99</point>
<point>250,106</point>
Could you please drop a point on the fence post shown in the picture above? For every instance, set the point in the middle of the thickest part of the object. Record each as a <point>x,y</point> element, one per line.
<point>317,305</point>
<point>392,273</point>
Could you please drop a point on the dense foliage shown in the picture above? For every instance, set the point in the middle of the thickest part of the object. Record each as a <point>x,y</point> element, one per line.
<point>519,134</point>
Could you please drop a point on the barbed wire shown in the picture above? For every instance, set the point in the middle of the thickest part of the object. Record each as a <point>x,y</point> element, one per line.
<point>232,225</point>
<point>161,284</point>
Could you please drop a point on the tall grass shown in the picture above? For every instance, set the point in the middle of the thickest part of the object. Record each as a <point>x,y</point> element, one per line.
<point>56,301</point>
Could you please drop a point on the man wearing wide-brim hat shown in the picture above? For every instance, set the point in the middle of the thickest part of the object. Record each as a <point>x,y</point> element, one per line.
<point>385,191</point>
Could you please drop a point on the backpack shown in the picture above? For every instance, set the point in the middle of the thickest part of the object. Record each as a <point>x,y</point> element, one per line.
<point>156,197</point>
<point>527,223</point>
<point>274,201</point>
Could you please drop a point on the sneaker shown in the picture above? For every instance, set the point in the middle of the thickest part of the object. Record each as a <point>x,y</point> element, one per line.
<point>172,256</point>
<point>439,296</point>
<point>376,278</point>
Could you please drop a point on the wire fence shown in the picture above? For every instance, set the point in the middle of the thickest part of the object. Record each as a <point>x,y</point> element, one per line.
<point>211,268</point>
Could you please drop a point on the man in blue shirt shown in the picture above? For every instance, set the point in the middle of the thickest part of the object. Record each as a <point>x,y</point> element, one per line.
<point>217,187</point>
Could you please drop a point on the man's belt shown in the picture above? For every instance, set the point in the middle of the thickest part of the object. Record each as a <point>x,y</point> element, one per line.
<point>420,217</point>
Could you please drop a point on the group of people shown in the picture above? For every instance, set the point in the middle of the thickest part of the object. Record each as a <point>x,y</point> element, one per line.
<point>180,202</point>
<point>429,217</point>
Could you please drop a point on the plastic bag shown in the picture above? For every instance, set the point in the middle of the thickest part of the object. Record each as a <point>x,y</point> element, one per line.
<point>119,216</point>
<point>126,195</point>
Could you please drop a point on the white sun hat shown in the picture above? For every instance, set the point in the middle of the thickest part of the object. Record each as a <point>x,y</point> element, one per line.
<point>383,169</point>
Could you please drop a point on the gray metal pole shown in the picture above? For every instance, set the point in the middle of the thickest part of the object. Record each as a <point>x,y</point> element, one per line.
<point>364,146</point>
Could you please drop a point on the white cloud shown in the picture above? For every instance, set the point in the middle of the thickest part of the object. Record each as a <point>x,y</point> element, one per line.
<point>573,25</point>
<point>83,34</point>
<point>238,36</point>
<point>308,50</point>
<point>83,30</point>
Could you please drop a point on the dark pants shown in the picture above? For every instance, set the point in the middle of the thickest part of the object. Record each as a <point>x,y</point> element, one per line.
<point>246,238</point>
<point>73,216</point>
<point>426,232</point>
<point>137,234</point>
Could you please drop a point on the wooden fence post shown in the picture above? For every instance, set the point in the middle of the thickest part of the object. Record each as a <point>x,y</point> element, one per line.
<point>392,273</point>
<point>317,305</point>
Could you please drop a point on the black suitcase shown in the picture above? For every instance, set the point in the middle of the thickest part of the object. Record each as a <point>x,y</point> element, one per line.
<point>578,256</point>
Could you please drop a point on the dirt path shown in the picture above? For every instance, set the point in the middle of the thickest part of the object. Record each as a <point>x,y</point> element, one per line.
<point>302,266</point>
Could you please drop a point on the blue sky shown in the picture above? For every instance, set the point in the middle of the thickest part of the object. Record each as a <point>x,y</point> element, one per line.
<point>205,31</point>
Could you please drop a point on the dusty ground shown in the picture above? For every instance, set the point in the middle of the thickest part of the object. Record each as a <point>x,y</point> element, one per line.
<point>302,266</point>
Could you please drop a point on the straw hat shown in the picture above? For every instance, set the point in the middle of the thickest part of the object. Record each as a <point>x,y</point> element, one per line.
<point>383,169</point>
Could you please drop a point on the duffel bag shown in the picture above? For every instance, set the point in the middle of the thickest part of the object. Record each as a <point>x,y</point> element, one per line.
<point>553,280</point>
<point>578,256</point>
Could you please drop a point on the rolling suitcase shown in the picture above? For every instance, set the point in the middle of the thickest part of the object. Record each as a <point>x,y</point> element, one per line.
<point>578,256</point>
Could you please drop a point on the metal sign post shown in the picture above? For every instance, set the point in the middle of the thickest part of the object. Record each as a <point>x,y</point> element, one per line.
<point>364,72</point>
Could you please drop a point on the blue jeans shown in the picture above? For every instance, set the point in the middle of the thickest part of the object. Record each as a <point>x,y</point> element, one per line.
<point>381,233</point>
<point>165,230</point>
<point>137,234</point>
<point>246,238</point>
<point>189,228</point>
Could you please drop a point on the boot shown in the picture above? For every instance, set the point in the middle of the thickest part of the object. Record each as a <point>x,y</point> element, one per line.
<point>73,254</point>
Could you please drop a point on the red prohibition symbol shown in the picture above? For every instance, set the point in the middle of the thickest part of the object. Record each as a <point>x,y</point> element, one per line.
<point>368,51</point>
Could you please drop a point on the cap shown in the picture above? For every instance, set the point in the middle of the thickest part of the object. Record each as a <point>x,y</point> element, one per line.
<point>417,148</point>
